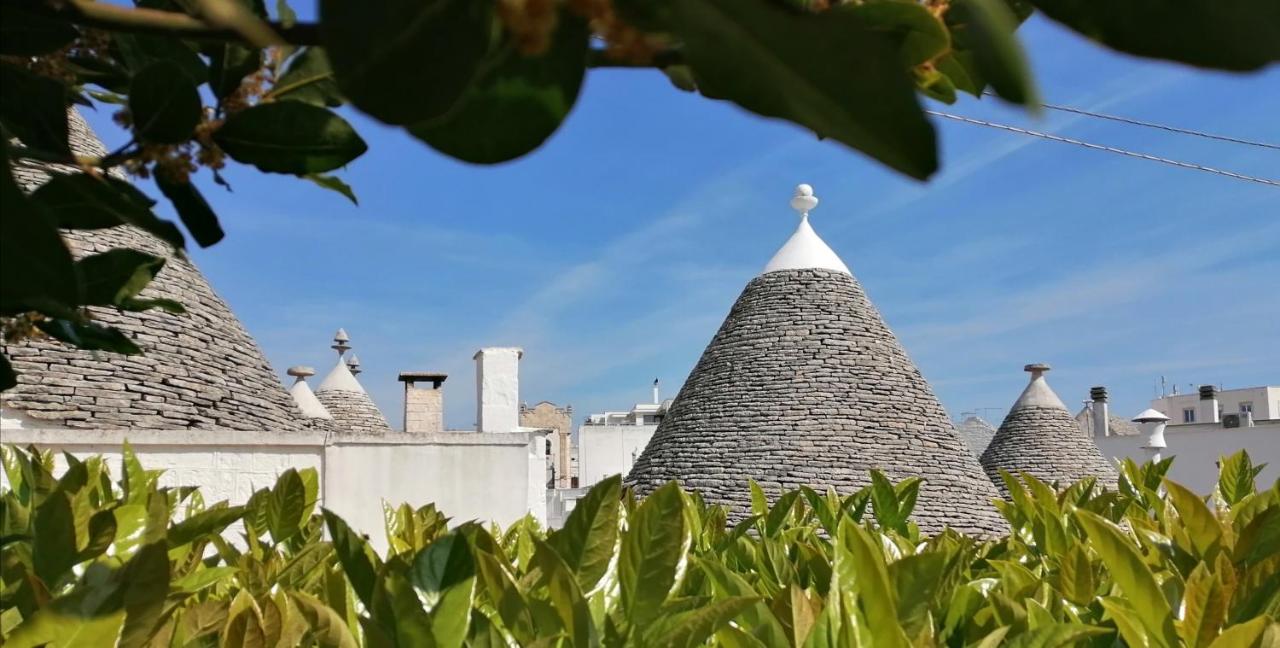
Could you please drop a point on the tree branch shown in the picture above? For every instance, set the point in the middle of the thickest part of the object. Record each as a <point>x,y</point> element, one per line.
<point>153,21</point>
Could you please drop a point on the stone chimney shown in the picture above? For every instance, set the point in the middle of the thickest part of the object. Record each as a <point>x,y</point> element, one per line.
<point>1099,411</point>
<point>498,389</point>
<point>1208,405</point>
<point>423,404</point>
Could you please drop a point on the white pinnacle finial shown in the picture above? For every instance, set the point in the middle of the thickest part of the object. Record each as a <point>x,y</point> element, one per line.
<point>803,200</point>
<point>805,249</point>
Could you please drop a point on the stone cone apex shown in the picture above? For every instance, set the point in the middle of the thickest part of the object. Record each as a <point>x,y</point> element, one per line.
<point>804,384</point>
<point>199,370</point>
<point>1041,438</point>
<point>345,398</point>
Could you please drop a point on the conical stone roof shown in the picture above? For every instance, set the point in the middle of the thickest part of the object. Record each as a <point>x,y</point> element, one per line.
<point>199,370</point>
<point>976,433</point>
<point>1040,437</point>
<point>346,400</point>
<point>804,384</point>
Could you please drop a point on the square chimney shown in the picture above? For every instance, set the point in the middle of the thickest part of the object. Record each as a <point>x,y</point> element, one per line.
<point>498,389</point>
<point>423,405</point>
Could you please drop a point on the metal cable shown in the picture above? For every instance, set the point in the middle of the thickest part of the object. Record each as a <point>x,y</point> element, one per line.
<point>1147,124</point>
<point>1108,149</point>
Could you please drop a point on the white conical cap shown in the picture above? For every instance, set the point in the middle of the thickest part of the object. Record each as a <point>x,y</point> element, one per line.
<point>310,406</point>
<point>1149,415</point>
<point>805,249</point>
<point>1038,393</point>
<point>340,379</point>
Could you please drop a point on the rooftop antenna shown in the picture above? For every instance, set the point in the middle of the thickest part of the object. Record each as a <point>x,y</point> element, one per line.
<point>340,340</point>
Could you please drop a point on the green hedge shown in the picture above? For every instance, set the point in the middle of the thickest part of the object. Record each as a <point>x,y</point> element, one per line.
<point>90,561</point>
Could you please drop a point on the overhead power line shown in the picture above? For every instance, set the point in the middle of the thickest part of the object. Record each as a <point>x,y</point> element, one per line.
<point>1108,149</point>
<point>1147,124</point>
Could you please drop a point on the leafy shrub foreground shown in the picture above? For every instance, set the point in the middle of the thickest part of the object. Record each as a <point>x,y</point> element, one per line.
<point>87,562</point>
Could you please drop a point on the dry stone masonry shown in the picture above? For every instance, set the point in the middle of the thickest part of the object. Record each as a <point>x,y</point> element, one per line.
<point>199,370</point>
<point>1040,437</point>
<point>804,384</point>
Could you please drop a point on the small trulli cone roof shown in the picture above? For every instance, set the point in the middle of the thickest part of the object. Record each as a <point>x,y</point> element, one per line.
<point>310,406</point>
<point>345,398</point>
<point>1040,437</point>
<point>199,370</point>
<point>804,384</point>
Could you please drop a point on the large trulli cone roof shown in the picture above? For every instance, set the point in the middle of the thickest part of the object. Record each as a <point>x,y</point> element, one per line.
<point>1040,437</point>
<point>199,370</point>
<point>804,384</point>
<point>346,400</point>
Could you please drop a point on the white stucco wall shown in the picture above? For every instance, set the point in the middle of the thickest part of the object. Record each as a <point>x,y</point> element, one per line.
<point>1265,401</point>
<point>1196,452</point>
<point>605,450</point>
<point>489,477</point>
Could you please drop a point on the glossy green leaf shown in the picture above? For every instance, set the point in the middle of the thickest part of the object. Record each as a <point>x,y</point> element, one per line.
<point>1236,35</point>
<point>327,628</point>
<point>1057,635</point>
<point>652,552</point>
<point>332,183</point>
<point>229,64</point>
<point>116,275</point>
<point>290,137</point>
<point>921,37</point>
<point>693,628</point>
<point>164,103</point>
<point>308,79</point>
<point>1075,576</point>
<point>285,506</point>
<point>870,581</point>
<point>831,73</point>
<point>517,104</point>
<point>1198,521</point>
<point>54,539</point>
<point>354,554</point>
<point>408,61</point>
<point>146,585</point>
<point>205,523</point>
<point>1236,475</point>
<point>193,209</point>
<point>445,576</point>
<point>1132,575</point>
<point>589,537</point>
<point>140,51</point>
<point>1244,635</point>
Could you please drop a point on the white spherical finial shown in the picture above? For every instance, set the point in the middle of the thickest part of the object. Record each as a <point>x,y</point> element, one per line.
<point>803,200</point>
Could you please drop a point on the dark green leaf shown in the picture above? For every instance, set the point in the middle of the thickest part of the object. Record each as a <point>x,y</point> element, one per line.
<point>1056,635</point>
<point>920,36</point>
<point>693,628</point>
<point>831,73</point>
<point>445,576</point>
<point>407,61</point>
<point>146,583</point>
<point>25,33</point>
<point>1225,34</point>
<point>193,210</point>
<point>139,51</point>
<point>986,29</point>
<point>1132,575</point>
<point>332,183</point>
<point>164,103</point>
<point>229,64</point>
<point>33,108</point>
<point>102,532</point>
<point>516,105</point>
<point>82,201</point>
<point>308,79</point>
<point>202,524</point>
<point>353,553</point>
<point>89,335</point>
<point>328,629</point>
<point>290,137</point>
<point>117,275</point>
<point>590,533</point>
<point>54,542</point>
<point>36,268</point>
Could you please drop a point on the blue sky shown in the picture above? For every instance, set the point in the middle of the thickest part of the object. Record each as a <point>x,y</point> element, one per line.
<point>612,254</point>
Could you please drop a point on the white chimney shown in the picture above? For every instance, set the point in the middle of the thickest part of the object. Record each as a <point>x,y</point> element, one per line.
<point>423,406</point>
<point>655,392</point>
<point>498,389</point>
<point>1208,405</point>
<point>1099,411</point>
<point>1153,424</point>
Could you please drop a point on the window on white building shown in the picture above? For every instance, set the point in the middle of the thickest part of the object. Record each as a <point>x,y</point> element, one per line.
<point>1246,406</point>
<point>1188,415</point>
